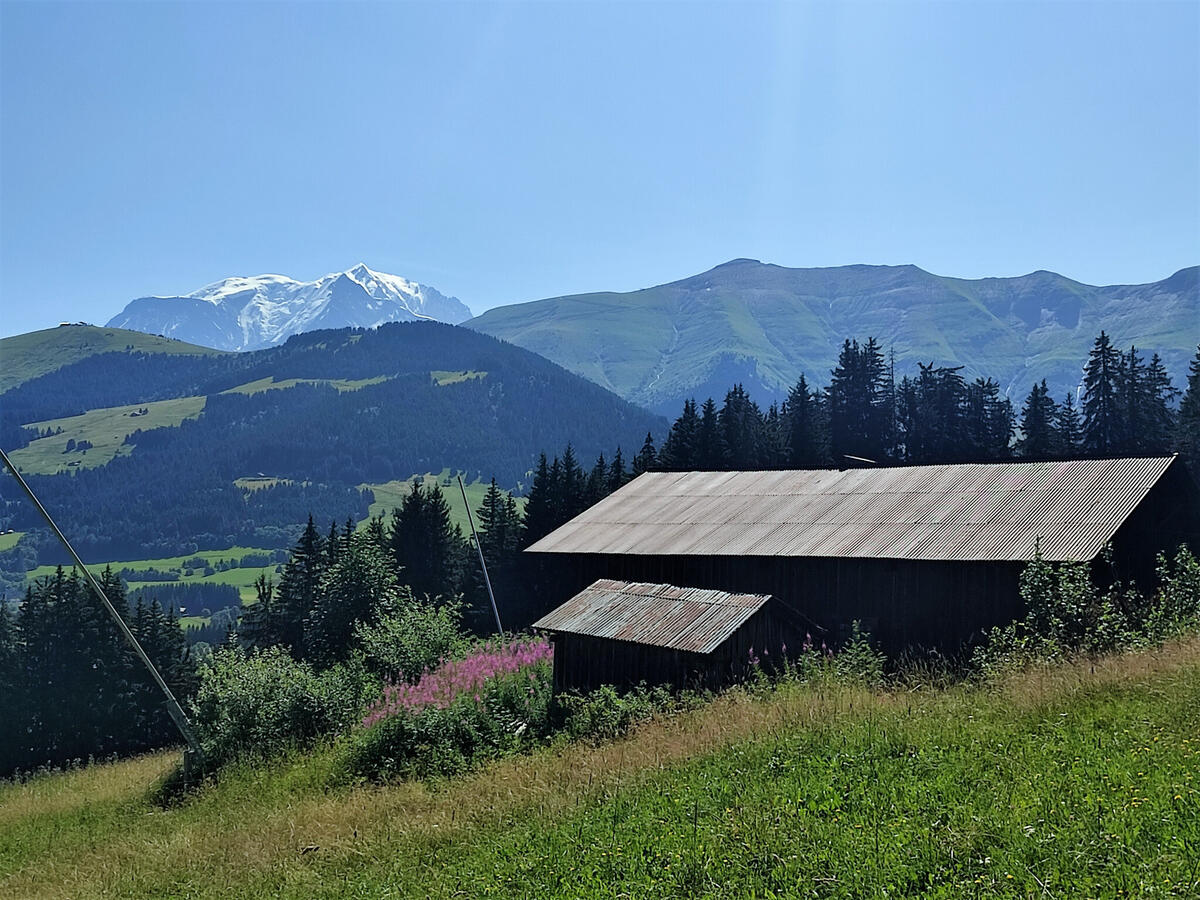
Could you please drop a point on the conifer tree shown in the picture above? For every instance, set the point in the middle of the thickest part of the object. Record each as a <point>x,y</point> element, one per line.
<point>539,507</point>
<point>1161,395</point>
<point>710,451</point>
<point>859,414</point>
<point>807,447</point>
<point>359,587</point>
<point>1187,427</point>
<point>1068,428</point>
<point>617,476</point>
<point>1039,438</point>
<point>423,542</point>
<point>283,623</point>
<point>679,449</point>
<point>740,424</point>
<point>1102,426</point>
<point>647,458</point>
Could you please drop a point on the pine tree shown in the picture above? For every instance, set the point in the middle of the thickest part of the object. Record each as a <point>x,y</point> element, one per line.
<point>1038,416</point>
<point>679,451</point>
<point>775,452</point>
<point>1160,416</point>
<point>423,543</point>
<point>1102,424</point>
<point>989,422</point>
<point>1068,429</point>
<point>647,458</point>
<point>740,424</point>
<point>807,447</point>
<point>859,413</point>
<point>539,508</point>
<point>617,476</point>
<point>710,450</point>
<point>1187,426</point>
<point>298,587</point>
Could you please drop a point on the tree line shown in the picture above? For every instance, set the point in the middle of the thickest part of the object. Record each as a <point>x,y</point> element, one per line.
<point>865,416</point>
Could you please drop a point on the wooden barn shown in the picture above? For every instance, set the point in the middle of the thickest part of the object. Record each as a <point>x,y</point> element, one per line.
<point>624,633</point>
<point>923,556</point>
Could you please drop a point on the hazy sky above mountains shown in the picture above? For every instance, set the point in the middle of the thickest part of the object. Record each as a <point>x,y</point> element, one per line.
<point>508,152</point>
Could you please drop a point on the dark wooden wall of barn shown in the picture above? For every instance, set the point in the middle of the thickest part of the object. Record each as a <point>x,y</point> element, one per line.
<point>902,603</point>
<point>582,663</point>
<point>1167,517</point>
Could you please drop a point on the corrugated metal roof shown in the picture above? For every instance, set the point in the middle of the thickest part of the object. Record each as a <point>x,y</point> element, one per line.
<point>980,511</point>
<point>661,615</point>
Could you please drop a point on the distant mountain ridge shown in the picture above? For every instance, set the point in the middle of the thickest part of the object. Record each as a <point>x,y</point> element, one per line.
<point>250,313</point>
<point>764,325</point>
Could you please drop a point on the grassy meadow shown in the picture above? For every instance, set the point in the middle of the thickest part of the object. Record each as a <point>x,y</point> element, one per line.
<point>105,428</point>
<point>10,540</point>
<point>1081,780</point>
<point>242,578</point>
<point>29,355</point>
<point>390,494</point>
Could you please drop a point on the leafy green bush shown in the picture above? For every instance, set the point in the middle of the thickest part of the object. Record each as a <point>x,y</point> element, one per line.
<point>858,662</point>
<point>411,638</point>
<point>258,703</point>
<point>605,714</point>
<point>1066,614</point>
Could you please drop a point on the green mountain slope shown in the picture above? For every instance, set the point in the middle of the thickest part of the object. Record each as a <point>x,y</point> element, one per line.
<point>164,455</point>
<point>764,325</point>
<point>27,356</point>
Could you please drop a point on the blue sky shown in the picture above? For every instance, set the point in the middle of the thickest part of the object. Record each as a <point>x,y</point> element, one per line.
<point>507,152</point>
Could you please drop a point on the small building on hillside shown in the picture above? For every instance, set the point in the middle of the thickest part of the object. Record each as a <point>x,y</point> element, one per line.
<point>922,556</point>
<point>624,633</point>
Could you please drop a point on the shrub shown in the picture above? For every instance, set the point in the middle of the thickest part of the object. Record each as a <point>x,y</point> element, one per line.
<point>505,715</point>
<point>259,703</point>
<point>605,714</point>
<point>411,639</point>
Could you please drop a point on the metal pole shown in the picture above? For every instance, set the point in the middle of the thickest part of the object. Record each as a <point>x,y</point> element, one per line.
<point>177,714</point>
<point>482,564</point>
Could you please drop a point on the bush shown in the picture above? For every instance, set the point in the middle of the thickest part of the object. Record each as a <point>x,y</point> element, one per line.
<point>605,715</point>
<point>259,703</point>
<point>508,715</point>
<point>410,639</point>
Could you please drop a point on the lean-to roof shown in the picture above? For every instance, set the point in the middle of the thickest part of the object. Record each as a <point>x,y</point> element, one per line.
<point>660,615</point>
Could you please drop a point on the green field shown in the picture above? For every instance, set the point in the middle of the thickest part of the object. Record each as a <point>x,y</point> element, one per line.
<point>8,541</point>
<point>1072,781</point>
<point>242,578</point>
<point>106,428</point>
<point>390,494</point>
<point>443,378</point>
<point>271,384</point>
<point>27,356</point>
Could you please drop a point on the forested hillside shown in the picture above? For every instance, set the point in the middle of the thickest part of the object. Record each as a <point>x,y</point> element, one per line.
<point>309,422</point>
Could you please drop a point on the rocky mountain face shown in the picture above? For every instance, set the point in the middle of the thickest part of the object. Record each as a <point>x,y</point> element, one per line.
<point>763,325</point>
<point>261,311</point>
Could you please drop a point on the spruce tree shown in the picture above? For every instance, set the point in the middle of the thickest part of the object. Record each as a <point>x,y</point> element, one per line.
<point>1187,426</point>
<point>1068,428</point>
<point>1102,426</point>
<point>1039,438</point>
<point>539,510</point>
<point>423,543</point>
<point>710,450</point>
<point>647,458</point>
<point>679,451</point>
<point>359,587</point>
<point>298,585</point>
<point>1161,395</point>
<point>807,447</point>
<point>859,411</point>
<point>617,476</point>
<point>741,427</point>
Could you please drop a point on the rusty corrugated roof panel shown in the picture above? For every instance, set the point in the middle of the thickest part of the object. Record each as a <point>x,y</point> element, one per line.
<point>660,615</point>
<point>979,511</point>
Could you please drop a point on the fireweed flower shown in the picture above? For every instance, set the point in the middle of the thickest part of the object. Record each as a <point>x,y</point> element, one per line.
<point>453,678</point>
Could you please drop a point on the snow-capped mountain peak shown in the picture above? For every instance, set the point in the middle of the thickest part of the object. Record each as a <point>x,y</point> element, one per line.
<point>246,313</point>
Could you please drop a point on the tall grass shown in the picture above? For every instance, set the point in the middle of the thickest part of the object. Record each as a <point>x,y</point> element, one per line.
<point>1059,780</point>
